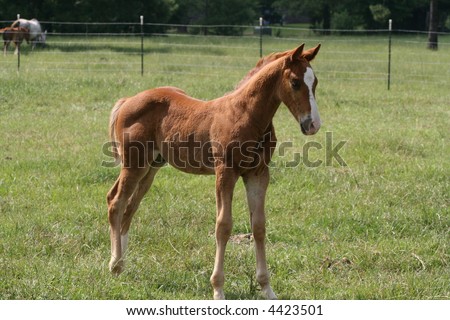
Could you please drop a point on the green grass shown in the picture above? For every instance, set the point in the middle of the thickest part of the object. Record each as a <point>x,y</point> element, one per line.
<point>377,228</point>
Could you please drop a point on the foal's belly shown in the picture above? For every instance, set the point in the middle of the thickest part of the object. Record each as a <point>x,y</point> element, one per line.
<point>188,156</point>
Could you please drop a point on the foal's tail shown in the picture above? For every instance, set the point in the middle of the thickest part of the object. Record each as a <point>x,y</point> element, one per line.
<point>112,129</point>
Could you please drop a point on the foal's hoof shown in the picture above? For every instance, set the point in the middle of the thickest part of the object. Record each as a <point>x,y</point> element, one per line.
<point>268,293</point>
<point>219,294</point>
<point>116,267</point>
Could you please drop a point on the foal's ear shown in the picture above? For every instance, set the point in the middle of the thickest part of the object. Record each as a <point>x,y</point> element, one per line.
<point>297,54</point>
<point>311,53</point>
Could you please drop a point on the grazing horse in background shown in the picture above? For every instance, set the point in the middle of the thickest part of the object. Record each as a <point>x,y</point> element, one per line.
<point>36,34</point>
<point>228,136</point>
<point>15,35</point>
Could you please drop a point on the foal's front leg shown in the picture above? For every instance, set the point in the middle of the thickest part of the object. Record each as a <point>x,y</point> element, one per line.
<point>256,186</point>
<point>225,182</point>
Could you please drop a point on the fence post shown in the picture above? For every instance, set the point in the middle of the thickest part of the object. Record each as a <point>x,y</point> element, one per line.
<point>142,45</point>
<point>18,49</point>
<point>389,59</point>
<point>260,36</point>
<point>18,58</point>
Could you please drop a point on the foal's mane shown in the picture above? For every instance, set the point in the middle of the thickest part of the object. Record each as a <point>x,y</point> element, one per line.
<point>308,55</point>
<point>260,64</point>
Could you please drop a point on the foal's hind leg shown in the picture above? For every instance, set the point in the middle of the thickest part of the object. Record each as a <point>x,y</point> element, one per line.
<point>118,198</point>
<point>256,186</point>
<point>133,205</point>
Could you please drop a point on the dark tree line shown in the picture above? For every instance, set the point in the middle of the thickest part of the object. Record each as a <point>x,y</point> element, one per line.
<point>367,14</point>
<point>322,14</point>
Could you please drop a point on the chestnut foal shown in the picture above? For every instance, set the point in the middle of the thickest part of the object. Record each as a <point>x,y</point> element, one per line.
<point>15,35</point>
<point>230,137</point>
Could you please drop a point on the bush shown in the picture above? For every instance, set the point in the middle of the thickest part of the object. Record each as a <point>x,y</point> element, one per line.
<point>380,13</point>
<point>344,21</point>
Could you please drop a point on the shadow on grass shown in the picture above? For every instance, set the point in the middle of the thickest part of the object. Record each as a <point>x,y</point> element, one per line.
<point>133,49</point>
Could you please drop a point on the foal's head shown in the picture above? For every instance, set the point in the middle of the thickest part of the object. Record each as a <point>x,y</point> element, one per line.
<point>297,90</point>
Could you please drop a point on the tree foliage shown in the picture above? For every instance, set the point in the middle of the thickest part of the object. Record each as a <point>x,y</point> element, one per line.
<point>380,13</point>
<point>352,14</point>
<point>217,13</point>
<point>324,14</point>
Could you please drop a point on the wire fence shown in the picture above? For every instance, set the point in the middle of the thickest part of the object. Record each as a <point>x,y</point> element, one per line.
<point>148,48</point>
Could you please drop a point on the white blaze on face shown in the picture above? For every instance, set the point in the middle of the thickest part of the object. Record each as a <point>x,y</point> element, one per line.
<point>309,78</point>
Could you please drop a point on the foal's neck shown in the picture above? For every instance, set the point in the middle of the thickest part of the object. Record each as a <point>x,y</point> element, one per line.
<point>258,98</point>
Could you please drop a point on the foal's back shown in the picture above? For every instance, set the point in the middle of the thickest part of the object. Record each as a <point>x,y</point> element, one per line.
<point>157,108</point>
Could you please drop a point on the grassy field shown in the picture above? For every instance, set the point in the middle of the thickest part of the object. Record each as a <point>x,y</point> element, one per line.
<point>377,228</point>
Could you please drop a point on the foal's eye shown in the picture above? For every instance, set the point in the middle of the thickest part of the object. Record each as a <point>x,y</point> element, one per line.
<point>295,84</point>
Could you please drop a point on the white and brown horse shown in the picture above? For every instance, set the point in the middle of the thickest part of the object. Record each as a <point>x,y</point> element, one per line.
<point>36,34</point>
<point>15,35</point>
<point>230,137</point>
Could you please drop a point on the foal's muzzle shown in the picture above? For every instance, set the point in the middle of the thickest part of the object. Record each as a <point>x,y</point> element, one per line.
<point>308,126</point>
